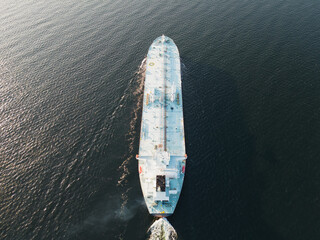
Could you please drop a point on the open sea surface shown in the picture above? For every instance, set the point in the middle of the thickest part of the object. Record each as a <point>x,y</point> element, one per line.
<point>71,85</point>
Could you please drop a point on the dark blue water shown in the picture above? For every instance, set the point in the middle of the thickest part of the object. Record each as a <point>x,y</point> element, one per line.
<point>70,105</point>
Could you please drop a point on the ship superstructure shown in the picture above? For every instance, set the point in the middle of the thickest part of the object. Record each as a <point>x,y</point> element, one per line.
<point>162,155</point>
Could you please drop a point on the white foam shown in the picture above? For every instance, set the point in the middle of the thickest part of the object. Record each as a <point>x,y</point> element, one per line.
<point>162,230</point>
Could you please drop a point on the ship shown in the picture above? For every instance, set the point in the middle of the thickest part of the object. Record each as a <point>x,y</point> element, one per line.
<point>162,153</point>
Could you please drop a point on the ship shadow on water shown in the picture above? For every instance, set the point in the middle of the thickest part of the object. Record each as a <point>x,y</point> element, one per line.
<point>221,197</point>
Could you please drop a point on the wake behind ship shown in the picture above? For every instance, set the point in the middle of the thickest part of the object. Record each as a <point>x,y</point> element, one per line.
<point>162,155</point>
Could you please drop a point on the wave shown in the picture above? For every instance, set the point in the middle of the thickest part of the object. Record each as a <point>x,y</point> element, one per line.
<point>161,229</point>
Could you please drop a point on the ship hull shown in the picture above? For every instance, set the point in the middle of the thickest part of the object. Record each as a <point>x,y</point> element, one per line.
<point>162,155</point>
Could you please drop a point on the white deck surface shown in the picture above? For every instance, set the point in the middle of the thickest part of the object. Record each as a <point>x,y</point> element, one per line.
<point>162,144</point>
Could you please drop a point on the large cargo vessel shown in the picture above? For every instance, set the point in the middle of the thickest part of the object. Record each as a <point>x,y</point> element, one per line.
<point>162,155</point>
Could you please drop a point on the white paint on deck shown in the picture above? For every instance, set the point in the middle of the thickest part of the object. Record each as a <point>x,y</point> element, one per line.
<point>162,144</point>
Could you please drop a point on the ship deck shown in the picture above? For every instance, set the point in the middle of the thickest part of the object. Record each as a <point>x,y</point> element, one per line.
<point>162,143</point>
